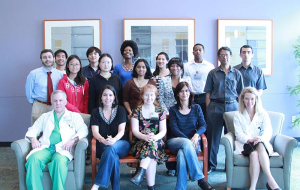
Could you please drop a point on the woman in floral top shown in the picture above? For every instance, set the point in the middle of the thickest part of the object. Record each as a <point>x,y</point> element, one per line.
<point>149,127</point>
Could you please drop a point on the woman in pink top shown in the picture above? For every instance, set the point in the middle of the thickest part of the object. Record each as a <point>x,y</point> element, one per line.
<point>75,85</point>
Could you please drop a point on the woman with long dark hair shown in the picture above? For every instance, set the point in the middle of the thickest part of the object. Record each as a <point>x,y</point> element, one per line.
<point>161,69</point>
<point>75,85</point>
<point>187,124</point>
<point>108,125</point>
<point>141,76</point>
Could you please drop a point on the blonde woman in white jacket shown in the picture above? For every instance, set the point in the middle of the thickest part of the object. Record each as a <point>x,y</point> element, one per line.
<point>253,132</point>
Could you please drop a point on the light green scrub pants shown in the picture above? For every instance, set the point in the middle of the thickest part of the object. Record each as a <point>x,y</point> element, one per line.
<point>58,169</point>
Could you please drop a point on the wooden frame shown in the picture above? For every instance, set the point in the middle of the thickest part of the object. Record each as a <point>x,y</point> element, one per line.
<point>154,35</point>
<point>258,33</point>
<point>58,34</point>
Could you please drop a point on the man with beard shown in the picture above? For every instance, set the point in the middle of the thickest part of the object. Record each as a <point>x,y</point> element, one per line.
<point>61,57</point>
<point>41,82</point>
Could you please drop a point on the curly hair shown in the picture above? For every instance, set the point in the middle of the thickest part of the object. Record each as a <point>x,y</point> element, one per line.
<point>131,44</point>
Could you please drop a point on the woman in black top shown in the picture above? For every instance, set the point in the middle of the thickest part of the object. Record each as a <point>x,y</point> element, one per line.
<point>108,126</point>
<point>105,77</point>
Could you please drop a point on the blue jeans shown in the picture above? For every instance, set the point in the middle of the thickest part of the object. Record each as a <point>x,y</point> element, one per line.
<point>187,161</point>
<point>109,166</point>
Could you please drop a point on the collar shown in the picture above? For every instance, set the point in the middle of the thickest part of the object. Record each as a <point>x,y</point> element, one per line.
<point>241,66</point>
<point>220,68</point>
<point>46,70</point>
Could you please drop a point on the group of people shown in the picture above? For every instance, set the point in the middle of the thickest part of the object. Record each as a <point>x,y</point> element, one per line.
<point>194,95</point>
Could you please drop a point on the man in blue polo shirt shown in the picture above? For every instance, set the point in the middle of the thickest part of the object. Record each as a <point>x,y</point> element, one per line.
<point>41,82</point>
<point>252,75</point>
<point>223,87</point>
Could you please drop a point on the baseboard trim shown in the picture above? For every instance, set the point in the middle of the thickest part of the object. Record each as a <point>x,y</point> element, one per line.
<point>5,144</point>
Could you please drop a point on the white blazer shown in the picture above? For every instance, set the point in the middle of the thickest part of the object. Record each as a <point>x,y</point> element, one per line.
<point>71,125</point>
<point>246,129</point>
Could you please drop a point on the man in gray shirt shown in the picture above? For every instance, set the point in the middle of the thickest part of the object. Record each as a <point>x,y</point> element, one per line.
<point>223,87</point>
<point>252,75</point>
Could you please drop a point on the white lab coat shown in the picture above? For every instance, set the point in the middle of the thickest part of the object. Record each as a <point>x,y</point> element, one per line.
<point>246,129</point>
<point>71,125</point>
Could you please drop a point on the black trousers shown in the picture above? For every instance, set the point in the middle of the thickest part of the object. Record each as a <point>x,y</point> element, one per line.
<point>215,125</point>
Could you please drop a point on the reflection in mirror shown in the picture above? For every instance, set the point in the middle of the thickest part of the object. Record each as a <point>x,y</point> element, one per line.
<point>255,36</point>
<point>75,40</point>
<point>154,39</point>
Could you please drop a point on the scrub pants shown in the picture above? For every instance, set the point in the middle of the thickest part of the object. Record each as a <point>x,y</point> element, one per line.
<point>58,169</point>
<point>215,123</point>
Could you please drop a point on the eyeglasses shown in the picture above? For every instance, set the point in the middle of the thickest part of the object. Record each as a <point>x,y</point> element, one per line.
<point>224,55</point>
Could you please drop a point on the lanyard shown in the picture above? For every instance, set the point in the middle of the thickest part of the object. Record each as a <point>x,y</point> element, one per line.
<point>92,73</point>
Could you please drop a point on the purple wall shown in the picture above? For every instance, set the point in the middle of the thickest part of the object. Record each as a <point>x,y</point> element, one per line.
<point>21,40</point>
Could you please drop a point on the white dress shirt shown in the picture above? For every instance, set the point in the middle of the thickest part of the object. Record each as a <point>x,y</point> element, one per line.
<point>198,73</point>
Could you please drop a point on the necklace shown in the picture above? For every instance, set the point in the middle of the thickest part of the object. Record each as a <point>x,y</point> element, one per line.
<point>127,67</point>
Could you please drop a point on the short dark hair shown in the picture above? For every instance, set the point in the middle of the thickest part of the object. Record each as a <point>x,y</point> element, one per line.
<point>156,72</point>
<point>109,87</point>
<point>198,45</point>
<point>79,79</point>
<point>45,51</point>
<point>131,44</point>
<point>178,61</point>
<point>148,74</point>
<point>178,89</point>
<point>245,46</point>
<point>61,51</point>
<point>224,48</point>
<point>106,55</point>
<point>91,50</point>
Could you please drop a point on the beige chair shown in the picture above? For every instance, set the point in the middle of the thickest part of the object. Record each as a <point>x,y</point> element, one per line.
<point>237,166</point>
<point>76,168</point>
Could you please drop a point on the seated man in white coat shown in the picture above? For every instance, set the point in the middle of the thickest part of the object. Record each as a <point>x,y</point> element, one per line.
<point>61,130</point>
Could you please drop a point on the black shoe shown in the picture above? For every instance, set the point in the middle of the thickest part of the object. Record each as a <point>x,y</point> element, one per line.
<point>138,177</point>
<point>210,171</point>
<point>269,188</point>
<point>151,187</point>
<point>204,185</point>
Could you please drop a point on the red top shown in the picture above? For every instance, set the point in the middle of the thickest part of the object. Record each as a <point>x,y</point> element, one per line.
<point>77,96</point>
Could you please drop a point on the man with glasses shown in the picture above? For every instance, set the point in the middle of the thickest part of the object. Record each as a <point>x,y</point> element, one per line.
<point>91,70</point>
<point>61,57</point>
<point>223,87</point>
<point>252,75</point>
<point>41,82</point>
<point>198,70</point>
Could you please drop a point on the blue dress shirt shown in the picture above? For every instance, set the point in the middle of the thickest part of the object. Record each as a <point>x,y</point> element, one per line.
<point>36,84</point>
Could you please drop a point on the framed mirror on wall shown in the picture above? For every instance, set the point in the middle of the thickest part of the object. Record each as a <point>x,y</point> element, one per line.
<point>176,37</point>
<point>73,36</point>
<point>258,33</point>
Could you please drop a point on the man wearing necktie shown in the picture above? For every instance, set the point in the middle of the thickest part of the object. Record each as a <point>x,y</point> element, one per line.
<point>41,82</point>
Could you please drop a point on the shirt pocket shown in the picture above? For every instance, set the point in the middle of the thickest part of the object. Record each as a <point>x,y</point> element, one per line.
<point>231,83</point>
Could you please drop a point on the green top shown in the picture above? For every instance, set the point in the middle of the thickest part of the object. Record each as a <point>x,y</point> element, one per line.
<point>55,136</point>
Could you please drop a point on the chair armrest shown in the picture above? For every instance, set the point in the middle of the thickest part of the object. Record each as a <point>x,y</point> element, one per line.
<point>205,156</point>
<point>79,162</point>
<point>21,148</point>
<point>285,145</point>
<point>228,141</point>
<point>94,160</point>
